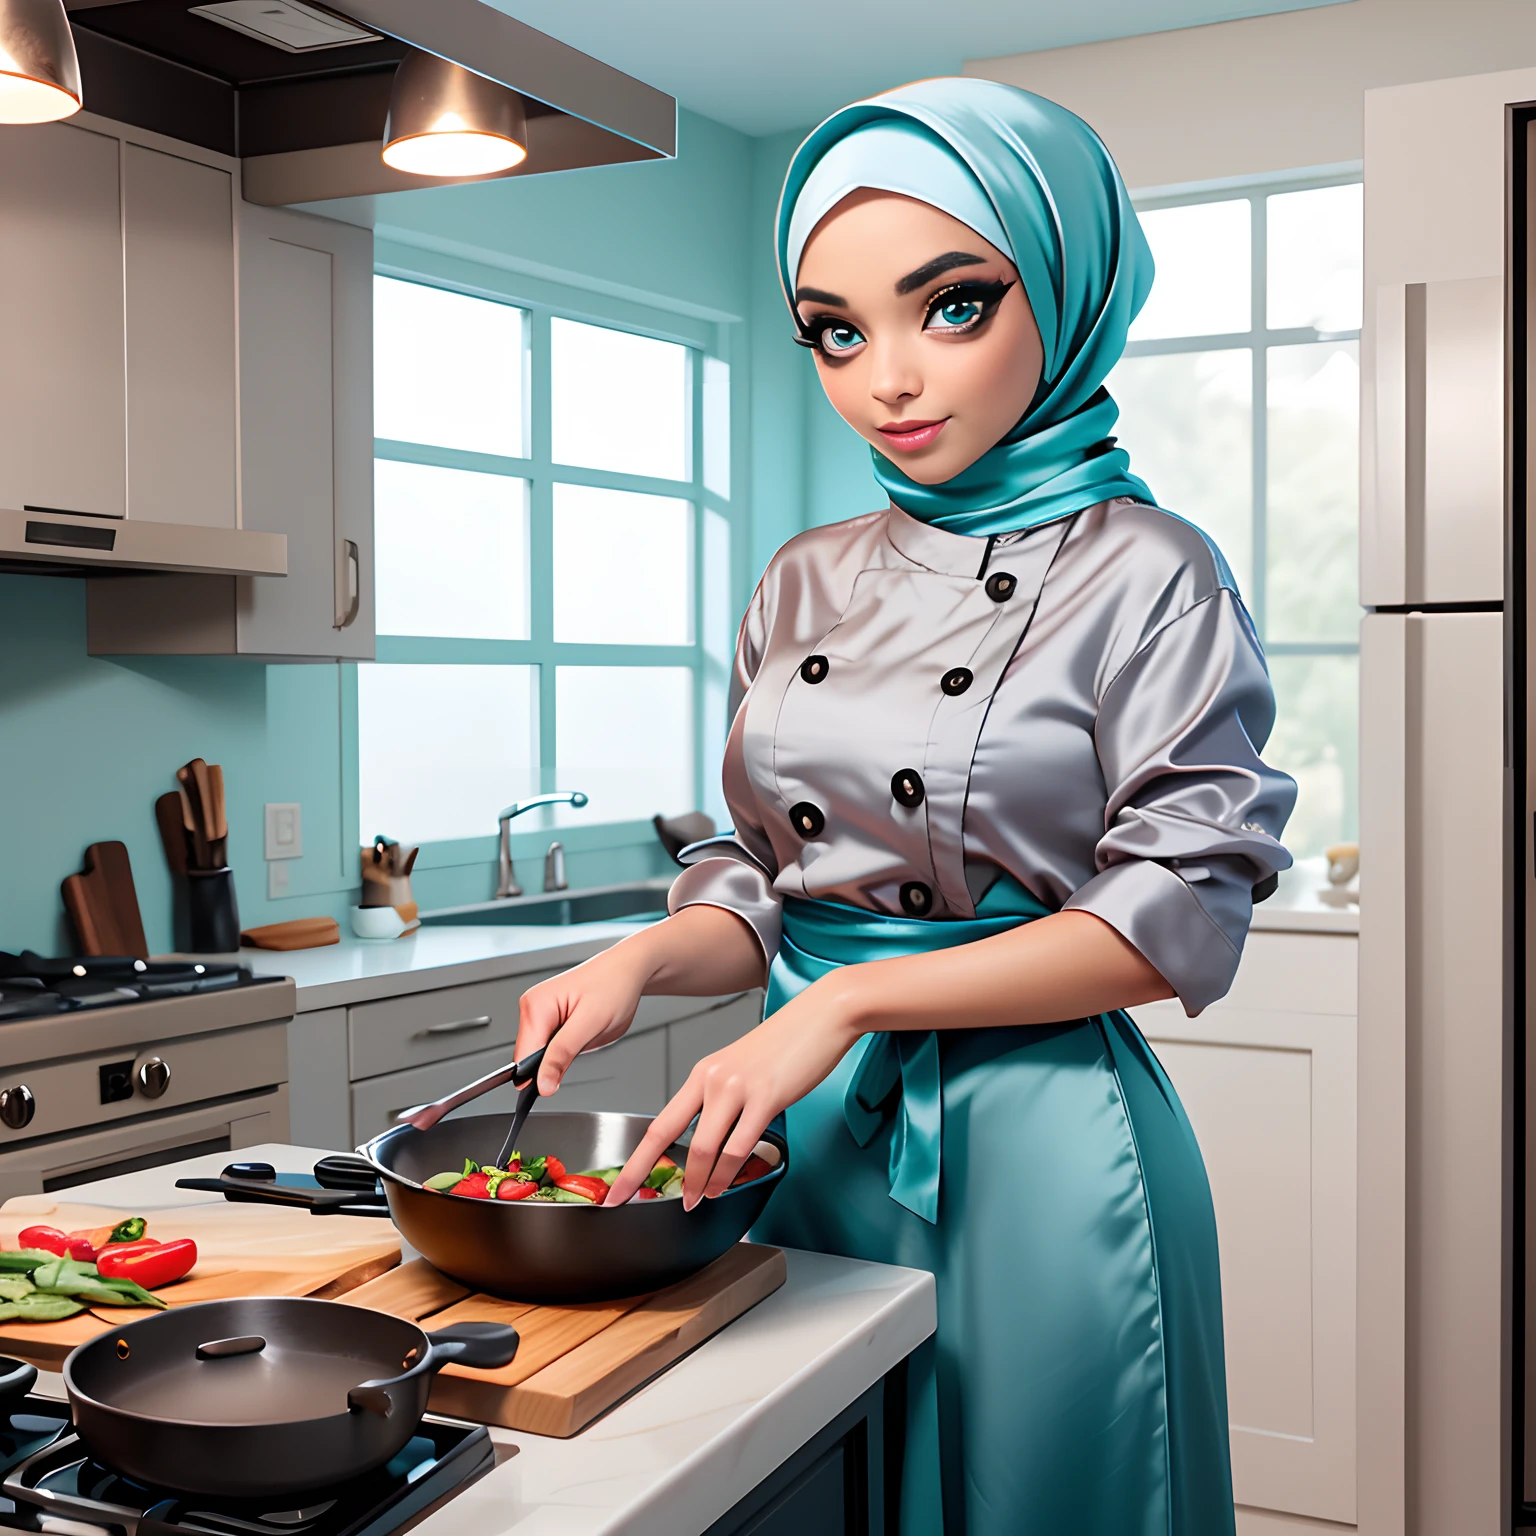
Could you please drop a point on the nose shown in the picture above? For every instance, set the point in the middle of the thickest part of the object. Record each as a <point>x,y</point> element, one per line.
<point>894,378</point>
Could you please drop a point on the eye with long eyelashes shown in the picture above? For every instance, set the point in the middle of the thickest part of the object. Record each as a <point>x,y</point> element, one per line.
<point>963,307</point>
<point>830,336</point>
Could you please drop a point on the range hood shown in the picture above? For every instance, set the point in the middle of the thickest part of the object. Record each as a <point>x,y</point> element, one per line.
<point>39,541</point>
<point>300,92</point>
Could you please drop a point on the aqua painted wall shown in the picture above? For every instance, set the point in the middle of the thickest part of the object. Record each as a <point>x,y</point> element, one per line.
<point>86,744</point>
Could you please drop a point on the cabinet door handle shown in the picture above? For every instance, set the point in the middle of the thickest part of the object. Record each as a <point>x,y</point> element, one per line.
<point>459,1026</point>
<point>354,580</point>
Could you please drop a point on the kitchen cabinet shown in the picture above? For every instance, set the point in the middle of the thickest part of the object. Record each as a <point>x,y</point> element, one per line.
<point>63,422</point>
<point>1268,1078</point>
<point>306,462</point>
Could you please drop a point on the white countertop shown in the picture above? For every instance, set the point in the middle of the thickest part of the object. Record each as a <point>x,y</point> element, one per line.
<point>674,1457</point>
<point>1298,906</point>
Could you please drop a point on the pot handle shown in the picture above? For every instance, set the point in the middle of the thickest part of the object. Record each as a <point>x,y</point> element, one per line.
<point>18,1379</point>
<point>483,1346</point>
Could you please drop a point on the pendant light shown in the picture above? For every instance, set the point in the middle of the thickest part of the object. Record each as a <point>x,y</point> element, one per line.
<point>448,121</point>
<point>39,72</point>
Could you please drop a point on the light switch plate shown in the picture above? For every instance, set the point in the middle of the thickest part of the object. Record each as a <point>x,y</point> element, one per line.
<point>277,879</point>
<point>285,831</point>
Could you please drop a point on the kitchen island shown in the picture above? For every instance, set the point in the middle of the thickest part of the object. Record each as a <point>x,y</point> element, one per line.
<point>781,1411</point>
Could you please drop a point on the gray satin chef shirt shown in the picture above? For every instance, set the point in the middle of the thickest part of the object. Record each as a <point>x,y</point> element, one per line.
<point>1104,751</point>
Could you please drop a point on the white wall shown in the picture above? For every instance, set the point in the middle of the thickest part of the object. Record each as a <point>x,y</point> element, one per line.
<point>1272,93</point>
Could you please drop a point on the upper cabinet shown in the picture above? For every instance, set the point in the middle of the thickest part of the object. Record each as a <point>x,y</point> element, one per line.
<point>177,358</point>
<point>63,417</point>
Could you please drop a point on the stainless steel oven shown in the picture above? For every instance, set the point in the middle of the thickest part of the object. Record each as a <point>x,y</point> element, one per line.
<point>89,1094</point>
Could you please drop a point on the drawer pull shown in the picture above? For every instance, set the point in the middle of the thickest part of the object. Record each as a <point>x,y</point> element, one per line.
<point>458,1026</point>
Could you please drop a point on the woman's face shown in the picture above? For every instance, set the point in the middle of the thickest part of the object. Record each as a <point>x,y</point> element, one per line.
<point>925,342</point>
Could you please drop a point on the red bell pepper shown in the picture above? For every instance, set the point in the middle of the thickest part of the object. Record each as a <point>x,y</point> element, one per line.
<point>158,1264</point>
<point>554,1169</point>
<point>43,1240</point>
<point>516,1189</point>
<point>119,1250</point>
<point>754,1168</point>
<point>643,1193</point>
<point>595,1189</point>
<point>475,1185</point>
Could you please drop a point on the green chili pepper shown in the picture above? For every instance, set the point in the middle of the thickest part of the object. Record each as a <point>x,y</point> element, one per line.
<point>14,1287</point>
<point>39,1308</point>
<point>130,1294</point>
<point>129,1231</point>
<point>23,1260</point>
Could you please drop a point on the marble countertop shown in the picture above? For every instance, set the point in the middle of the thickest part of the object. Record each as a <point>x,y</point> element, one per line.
<point>674,1457</point>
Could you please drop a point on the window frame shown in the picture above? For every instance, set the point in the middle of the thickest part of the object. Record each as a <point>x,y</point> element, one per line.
<point>1258,339</point>
<point>708,335</point>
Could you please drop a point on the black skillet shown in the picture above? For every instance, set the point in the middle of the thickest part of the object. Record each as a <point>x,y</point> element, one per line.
<point>263,1395</point>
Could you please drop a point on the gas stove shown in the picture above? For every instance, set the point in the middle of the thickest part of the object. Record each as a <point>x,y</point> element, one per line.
<point>34,987</point>
<point>49,1483</point>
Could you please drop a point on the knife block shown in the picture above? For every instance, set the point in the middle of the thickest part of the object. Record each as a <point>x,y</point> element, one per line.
<point>213,918</point>
<point>387,879</point>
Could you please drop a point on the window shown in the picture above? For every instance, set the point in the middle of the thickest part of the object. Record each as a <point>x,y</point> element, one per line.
<point>543,514</point>
<point>1238,400</point>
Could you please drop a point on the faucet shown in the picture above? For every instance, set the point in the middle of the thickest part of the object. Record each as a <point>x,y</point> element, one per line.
<point>554,868</point>
<point>506,886</point>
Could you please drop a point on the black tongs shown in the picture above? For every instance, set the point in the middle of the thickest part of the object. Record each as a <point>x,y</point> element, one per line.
<point>521,1074</point>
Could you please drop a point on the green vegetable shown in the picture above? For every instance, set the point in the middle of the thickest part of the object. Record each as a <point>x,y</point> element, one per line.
<point>607,1175</point>
<point>131,1293</point>
<point>443,1181</point>
<point>563,1197</point>
<point>129,1231</point>
<point>659,1178</point>
<point>23,1260</point>
<point>14,1287</point>
<point>39,1308</point>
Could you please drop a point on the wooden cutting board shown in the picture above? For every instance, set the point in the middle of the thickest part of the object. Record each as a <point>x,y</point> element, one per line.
<point>103,905</point>
<point>574,1362</point>
<point>242,1250</point>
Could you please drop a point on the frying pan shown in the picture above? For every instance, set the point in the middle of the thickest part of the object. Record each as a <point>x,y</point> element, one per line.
<point>528,1250</point>
<point>265,1394</point>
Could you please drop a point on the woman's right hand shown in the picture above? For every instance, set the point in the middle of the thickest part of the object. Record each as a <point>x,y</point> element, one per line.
<point>590,1005</point>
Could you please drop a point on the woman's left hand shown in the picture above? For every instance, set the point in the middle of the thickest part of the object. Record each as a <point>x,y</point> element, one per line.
<point>738,1090</point>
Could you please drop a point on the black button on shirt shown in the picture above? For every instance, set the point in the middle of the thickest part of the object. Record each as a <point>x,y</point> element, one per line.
<point>1001,586</point>
<point>907,788</point>
<point>916,899</point>
<point>957,680</point>
<point>807,820</point>
<point>814,669</point>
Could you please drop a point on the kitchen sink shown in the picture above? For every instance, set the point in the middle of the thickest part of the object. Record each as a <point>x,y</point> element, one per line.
<point>639,900</point>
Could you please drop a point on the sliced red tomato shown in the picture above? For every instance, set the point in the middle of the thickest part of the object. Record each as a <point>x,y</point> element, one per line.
<point>149,1267</point>
<point>476,1185</point>
<point>754,1168</point>
<point>516,1189</point>
<point>43,1240</point>
<point>555,1169</point>
<point>644,1193</point>
<point>515,1165</point>
<point>595,1189</point>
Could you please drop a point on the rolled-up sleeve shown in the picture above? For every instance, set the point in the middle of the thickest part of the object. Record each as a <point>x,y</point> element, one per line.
<point>736,871</point>
<point>1194,815</point>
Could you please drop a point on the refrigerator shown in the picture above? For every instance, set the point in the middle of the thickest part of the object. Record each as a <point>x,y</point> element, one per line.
<point>1446,1439</point>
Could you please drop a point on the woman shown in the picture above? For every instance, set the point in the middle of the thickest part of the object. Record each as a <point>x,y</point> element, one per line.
<point>994,767</point>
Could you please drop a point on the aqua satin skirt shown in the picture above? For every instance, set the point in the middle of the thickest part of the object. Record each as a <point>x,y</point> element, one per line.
<point>1049,1179</point>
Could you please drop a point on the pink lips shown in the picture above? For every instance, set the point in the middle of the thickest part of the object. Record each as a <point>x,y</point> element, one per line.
<point>909,436</point>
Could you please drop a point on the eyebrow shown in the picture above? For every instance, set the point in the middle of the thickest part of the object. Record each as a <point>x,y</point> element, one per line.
<point>819,296</point>
<point>932,269</point>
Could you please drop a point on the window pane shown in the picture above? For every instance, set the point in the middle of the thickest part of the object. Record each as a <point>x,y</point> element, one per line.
<point>451,552</point>
<point>441,749</point>
<point>1204,277</point>
<point>619,401</point>
<point>623,567</point>
<point>717,427</point>
<point>1314,393</point>
<point>1315,741</point>
<point>1187,420</point>
<point>448,369</point>
<point>1314,258</point>
<point>624,735</point>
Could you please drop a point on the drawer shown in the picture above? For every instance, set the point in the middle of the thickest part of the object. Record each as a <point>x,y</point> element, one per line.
<point>629,1075</point>
<point>424,1027</point>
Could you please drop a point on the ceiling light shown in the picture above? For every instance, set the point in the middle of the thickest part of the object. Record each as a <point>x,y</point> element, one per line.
<point>448,121</point>
<point>39,73</point>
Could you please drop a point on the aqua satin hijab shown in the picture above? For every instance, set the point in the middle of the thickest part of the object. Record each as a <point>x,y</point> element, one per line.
<point>1040,175</point>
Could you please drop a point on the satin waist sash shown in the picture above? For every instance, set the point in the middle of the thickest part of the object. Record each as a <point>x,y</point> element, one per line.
<point>899,1076</point>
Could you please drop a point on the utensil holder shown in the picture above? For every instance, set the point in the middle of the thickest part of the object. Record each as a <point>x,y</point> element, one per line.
<point>213,918</point>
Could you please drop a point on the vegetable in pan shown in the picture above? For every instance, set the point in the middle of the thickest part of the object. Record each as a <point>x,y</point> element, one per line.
<point>546,1179</point>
